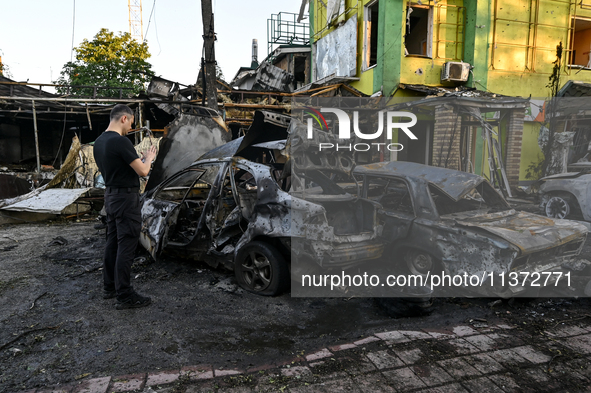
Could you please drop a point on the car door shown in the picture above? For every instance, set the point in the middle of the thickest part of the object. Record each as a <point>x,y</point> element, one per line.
<point>397,211</point>
<point>161,208</point>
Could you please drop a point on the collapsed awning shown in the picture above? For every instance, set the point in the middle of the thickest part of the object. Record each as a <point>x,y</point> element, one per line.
<point>52,201</point>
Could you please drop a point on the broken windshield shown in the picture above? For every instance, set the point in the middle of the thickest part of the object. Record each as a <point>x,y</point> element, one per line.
<point>479,198</point>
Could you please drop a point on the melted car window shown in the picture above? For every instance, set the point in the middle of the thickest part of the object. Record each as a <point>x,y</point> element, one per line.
<point>445,205</point>
<point>244,180</point>
<point>392,194</point>
<point>195,195</point>
<point>247,191</point>
<point>195,183</point>
<point>176,189</point>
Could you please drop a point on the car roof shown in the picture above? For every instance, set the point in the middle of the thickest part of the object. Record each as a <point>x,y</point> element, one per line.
<point>454,183</point>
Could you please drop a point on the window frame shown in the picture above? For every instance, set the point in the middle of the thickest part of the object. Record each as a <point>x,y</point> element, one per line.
<point>367,45</point>
<point>571,57</point>
<point>430,23</point>
<point>367,178</point>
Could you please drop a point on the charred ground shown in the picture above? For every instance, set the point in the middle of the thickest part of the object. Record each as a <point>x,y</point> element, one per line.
<point>56,328</point>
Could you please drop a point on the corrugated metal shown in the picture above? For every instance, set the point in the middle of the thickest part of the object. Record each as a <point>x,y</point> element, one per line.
<point>51,201</point>
<point>271,78</point>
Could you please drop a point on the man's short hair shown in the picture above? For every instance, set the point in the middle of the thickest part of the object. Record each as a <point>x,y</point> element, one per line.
<point>120,110</point>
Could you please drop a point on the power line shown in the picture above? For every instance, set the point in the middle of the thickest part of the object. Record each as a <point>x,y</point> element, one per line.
<point>73,29</point>
<point>157,38</point>
<point>66,103</point>
<point>149,20</point>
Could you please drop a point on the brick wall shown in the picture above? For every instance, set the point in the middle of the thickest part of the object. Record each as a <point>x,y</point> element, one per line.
<point>446,137</point>
<point>513,148</point>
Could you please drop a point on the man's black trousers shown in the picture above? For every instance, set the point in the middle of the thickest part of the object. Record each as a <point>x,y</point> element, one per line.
<point>123,230</point>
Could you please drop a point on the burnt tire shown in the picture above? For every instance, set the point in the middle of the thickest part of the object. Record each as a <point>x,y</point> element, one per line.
<point>419,262</point>
<point>261,269</point>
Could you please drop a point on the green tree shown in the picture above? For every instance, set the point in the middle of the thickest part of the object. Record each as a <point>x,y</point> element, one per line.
<point>4,70</point>
<point>110,61</point>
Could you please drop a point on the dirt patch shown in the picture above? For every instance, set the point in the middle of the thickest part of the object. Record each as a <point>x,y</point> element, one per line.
<point>55,327</point>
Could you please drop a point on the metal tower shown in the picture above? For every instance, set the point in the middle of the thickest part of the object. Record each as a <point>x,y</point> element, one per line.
<point>136,27</point>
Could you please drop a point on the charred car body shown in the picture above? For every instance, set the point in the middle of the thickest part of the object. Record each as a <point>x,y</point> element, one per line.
<point>232,208</point>
<point>252,207</point>
<point>452,221</point>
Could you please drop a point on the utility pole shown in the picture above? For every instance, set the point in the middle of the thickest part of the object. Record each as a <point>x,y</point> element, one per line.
<point>210,85</point>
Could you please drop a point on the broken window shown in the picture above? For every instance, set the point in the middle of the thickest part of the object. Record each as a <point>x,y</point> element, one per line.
<point>246,188</point>
<point>371,35</point>
<point>445,205</point>
<point>483,197</point>
<point>581,42</point>
<point>392,194</point>
<point>178,187</point>
<point>419,26</point>
<point>299,71</point>
<point>191,189</point>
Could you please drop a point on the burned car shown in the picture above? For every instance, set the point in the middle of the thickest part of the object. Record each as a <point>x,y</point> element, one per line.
<point>232,208</point>
<point>443,220</point>
<point>566,195</point>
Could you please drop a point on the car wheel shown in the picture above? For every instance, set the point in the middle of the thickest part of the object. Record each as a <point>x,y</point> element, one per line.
<point>557,207</point>
<point>419,262</point>
<point>260,268</point>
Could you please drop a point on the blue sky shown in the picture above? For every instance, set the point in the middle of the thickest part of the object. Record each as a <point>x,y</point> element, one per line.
<point>36,35</point>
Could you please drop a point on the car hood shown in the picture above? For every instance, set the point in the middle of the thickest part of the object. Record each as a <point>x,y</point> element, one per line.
<point>267,130</point>
<point>529,232</point>
<point>567,175</point>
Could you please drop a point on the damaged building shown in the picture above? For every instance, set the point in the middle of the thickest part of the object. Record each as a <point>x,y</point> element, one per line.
<point>37,129</point>
<point>480,49</point>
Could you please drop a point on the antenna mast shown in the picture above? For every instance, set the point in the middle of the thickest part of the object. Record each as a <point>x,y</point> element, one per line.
<point>136,27</point>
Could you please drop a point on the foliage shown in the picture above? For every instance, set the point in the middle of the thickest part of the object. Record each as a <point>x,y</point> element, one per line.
<point>554,84</point>
<point>534,169</point>
<point>550,113</point>
<point>109,61</point>
<point>4,70</point>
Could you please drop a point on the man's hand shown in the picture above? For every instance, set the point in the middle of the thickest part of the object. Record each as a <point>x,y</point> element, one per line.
<point>149,155</point>
<point>142,166</point>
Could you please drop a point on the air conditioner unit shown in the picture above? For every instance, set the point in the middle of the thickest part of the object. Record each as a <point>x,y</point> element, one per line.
<point>455,71</point>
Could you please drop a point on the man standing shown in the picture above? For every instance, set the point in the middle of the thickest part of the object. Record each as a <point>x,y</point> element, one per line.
<point>121,167</point>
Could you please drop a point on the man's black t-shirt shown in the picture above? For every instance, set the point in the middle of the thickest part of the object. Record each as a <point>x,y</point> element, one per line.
<point>113,153</point>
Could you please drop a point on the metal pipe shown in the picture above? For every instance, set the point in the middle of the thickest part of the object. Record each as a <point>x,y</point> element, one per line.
<point>36,138</point>
<point>532,23</point>
<point>80,99</point>
<point>141,120</point>
<point>203,81</point>
<point>438,30</point>
<point>253,106</point>
<point>50,112</point>
<point>88,117</point>
<point>54,85</point>
<point>99,100</point>
<point>494,37</point>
